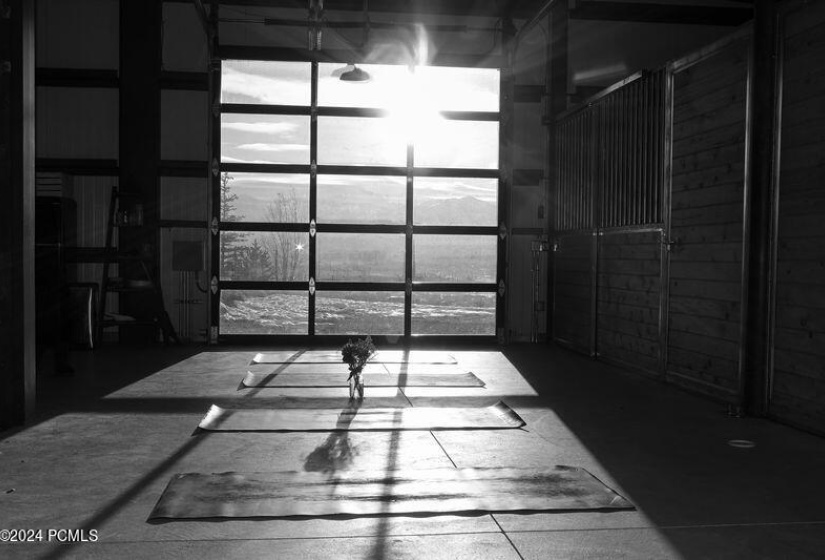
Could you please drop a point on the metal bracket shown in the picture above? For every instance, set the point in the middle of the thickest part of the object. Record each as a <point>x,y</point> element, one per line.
<point>213,285</point>
<point>312,228</point>
<point>312,286</point>
<point>672,246</point>
<point>502,287</point>
<point>216,167</point>
<point>502,230</point>
<point>215,227</point>
<point>540,246</point>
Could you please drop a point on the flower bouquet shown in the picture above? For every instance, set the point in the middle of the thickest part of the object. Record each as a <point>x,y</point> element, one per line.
<point>355,354</point>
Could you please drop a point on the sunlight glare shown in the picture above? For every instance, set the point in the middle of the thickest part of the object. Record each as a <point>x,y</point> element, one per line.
<point>412,107</point>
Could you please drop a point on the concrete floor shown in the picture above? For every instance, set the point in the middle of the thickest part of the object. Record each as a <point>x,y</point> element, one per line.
<point>107,441</point>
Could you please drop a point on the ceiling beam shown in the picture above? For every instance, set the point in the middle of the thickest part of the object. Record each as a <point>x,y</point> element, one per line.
<point>478,8</point>
<point>660,13</point>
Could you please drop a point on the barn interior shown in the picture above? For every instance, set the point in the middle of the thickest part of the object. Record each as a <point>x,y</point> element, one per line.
<point>599,217</point>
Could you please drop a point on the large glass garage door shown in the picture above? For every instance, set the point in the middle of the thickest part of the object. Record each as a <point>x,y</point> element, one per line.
<point>357,208</point>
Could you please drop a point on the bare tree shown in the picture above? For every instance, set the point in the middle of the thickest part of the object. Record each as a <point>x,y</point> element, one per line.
<point>285,247</point>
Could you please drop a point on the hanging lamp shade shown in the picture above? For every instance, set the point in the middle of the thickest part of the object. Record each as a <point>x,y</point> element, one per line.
<point>354,74</point>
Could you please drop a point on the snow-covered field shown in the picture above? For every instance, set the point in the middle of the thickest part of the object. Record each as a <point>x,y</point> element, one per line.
<point>356,313</point>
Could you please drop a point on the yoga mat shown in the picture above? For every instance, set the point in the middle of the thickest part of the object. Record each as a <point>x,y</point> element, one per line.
<point>423,369</point>
<point>355,419</point>
<point>334,356</point>
<point>419,491</point>
<point>338,369</point>
<point>465,379</point>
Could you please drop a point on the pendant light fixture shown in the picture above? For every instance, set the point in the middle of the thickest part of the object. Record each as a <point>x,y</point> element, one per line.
<point>354,74</point>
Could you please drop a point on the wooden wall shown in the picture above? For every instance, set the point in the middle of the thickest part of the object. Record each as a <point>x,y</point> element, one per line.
<point>798,383</point>
<point>607,259</point>
<point>573,291</point>
<point>628,298</point>
<point>706,223</point>
<point>693,263</point>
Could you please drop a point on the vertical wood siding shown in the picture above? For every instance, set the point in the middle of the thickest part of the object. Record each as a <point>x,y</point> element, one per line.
<point>707,197</point>
<point>798,382</point>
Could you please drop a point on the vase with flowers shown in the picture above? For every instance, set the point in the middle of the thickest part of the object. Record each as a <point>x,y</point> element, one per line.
<point>355,355</point>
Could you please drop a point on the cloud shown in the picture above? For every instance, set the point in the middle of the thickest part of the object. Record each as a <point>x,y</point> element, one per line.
<point>261,147</point>
<point>260,127</point>
<point>263,89</point>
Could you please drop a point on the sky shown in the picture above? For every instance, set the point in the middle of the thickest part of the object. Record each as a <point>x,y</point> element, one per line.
<point>414,100</point>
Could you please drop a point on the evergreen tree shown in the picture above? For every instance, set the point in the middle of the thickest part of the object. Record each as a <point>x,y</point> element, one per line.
<point>232,243</point>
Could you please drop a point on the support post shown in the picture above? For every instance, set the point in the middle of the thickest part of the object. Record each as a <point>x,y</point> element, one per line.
<point>505,165</point>
<point>556,102</point>
<point>761,117</point>
<point>141,24</point>
<point>17,151</point>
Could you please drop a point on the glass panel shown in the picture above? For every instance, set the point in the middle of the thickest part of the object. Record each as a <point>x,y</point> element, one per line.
<point>264,138</point>
<point>360,257</point>
<point>347,199</point>
<point>440,201</point>
<point>460,89</point>
<point>385,85</point>
<point>359,313</point>
<point>280,256</point>
<point>465,144</point>
<point>265,197</point>
<point>262,82</point>
<point>264,312</point>
<point>454,258</point>
<point>453,313</point>
<point>360,141</point>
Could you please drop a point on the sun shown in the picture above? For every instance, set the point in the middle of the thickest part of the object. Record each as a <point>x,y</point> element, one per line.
<point>413,110</point>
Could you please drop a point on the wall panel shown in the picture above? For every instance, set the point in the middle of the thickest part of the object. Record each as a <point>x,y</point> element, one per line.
<point>706,220</point>
<point>573,289</point>
<point>184,39</point>
<point>628,298</point>
<point>77,123</point>
<point>183,125</point>
<point>798,379</point>
<point>78,34</point>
